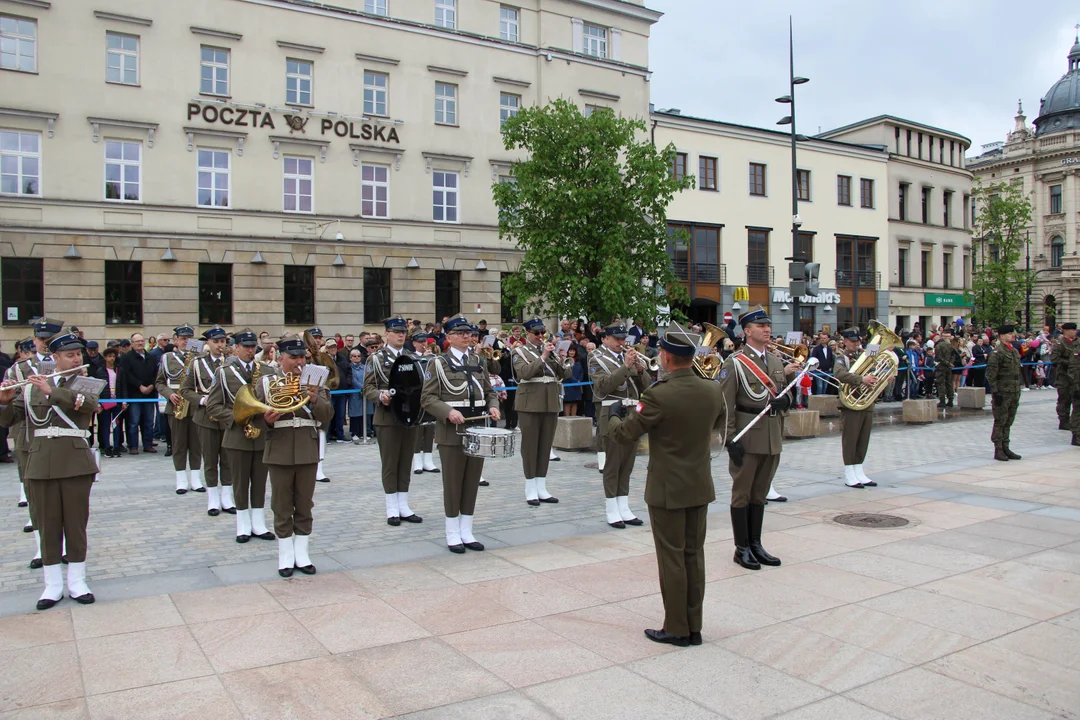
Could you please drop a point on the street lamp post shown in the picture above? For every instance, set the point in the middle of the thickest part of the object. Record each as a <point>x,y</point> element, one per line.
<point>790,120</point>
<point>1027,280</point>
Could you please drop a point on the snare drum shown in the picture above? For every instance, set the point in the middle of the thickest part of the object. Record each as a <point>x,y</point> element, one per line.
<point>489,442</point>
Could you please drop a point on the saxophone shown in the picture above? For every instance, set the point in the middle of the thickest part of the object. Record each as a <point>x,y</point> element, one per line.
<point>181,410</point>
<point>250,431</point>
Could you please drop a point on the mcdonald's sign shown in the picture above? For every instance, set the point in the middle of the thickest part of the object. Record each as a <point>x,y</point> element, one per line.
<point>742,294</point>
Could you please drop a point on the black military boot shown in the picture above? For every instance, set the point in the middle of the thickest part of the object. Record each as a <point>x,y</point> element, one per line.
<point>999,453</point>
<point>949,403</point>
<point>941,402</point>
<point>740,518</point>
<point>168,450</point>
<point>1063,424</point>
<point>1076,439</point>
<point>756,520</point>
<point>1009,453</point>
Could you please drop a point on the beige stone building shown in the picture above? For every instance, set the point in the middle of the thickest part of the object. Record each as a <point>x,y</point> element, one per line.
<point>1046,160</point>
<point>277,163</point>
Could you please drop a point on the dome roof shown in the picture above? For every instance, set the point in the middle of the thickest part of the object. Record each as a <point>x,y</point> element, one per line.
<point>1060,107</point>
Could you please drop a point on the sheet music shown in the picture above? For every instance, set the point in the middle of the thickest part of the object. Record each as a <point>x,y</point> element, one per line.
<point>87,385</point>
<point>702,349</point>
<point>563,346</point>
<point>46,367</point>
<point>196,345</point>
<point>314,375</point>
<point>488,341</point>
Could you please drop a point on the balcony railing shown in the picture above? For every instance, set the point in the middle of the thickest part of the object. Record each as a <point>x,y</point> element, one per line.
<point>702,272</point>
<point>681,268</point>
<point>866,279</point>
<point>759,275</point>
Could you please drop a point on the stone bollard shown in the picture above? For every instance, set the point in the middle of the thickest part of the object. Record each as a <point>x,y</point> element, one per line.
<point>826,405</point>
<point>573,433</point>
<point>920,411</point>
<point>802,424</point>
<point>971,397</point>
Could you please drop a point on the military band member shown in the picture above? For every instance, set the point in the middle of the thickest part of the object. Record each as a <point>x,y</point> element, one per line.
<point>248,473</point>
<point>751,379</point>
<point>291,454</point>
<point>681,414</point>
<point>320,476</point>
<point>618,379</point>
<point>184,446</point>
<point>538,369</point>
<point>1073,370</point>
<point>1003,376</point>
<point>195,390</point>
<point>855,436</point>
<point>60,467</point>
<point>1065,347</point>
<point>945,354</point>
<point>423,460</point>
<point>396,441</point>
<point>458,387</point>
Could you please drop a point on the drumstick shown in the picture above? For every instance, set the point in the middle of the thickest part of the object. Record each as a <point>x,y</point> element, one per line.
<point>478,417</point>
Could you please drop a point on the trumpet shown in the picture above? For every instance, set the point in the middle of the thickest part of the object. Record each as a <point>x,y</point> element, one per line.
<point>642,360</point>
<point>491,353</point>
<point>60,373</point>
<point>800,354</point>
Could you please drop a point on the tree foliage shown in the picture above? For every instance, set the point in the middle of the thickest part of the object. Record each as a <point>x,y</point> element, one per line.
<point>999,285</point>
<point>589,209</point>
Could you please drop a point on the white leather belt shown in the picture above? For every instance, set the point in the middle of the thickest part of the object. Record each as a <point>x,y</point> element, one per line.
<point>545,379</point>
<point>625,401</point>
<point>295,423</point>
<point>465,403</point>
<point>54,432</point>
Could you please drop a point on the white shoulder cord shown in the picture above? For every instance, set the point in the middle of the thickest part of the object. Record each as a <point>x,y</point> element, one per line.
<point>740,373</point>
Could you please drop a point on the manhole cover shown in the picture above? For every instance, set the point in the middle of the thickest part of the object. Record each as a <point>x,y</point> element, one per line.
<point>871,520</point>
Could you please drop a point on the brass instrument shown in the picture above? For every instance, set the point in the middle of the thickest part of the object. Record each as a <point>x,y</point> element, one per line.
<point>283,396</point>
<point>652,364</point>
<point>180,410</point>
<point>59,373</point>
<point>884,366</point>
<point>491,353</point>
<point>708,366</point>
<point>799,353</point>
<point>321,357</point>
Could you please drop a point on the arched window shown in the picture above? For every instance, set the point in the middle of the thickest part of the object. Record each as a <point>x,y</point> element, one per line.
<point>1057,251</point>
<point>1050,311</point>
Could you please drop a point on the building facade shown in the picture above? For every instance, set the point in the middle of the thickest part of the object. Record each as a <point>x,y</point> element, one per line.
<point>739,222</point>
<point>929,233</point>
<point>279,163</point>
<point>1046,160</point>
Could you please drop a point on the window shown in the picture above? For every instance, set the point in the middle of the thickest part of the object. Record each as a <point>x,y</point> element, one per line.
<point>804,246</point>
<point>678,166</point>
<point>299,179</point>
<point>757,179</point>
<point>123,162</point>
<point>946,203</point>
<point>121,59</point>
<point>902,268</point>
<point>298,82</point>
<point>18,44</point>
<point>447,293</point>
<point>23,289</point>
<point>926,205</point>
<point>444,197</point>
<point>855,262</point>
<point>909,143</point>
<point>966,269</point>
<point>123,292</point>
<point>508,24</point>
<point>214,71</point>
<point>1055,198</point>
<point>213,184</point>
<point>678,249</point>
<point>866,193</point>
<point>215,294</point>
<point>507,301</point>
<point>803,177</point>
<point>843,190</point>
<point>375,7</point>
<point>508,107</point>
<point>707,173</point>
<point>595,41</point>
<point>375,191</point>
<point>445,104</point>
<point>757,269</point>
<point>20,163</point>
<point>903,201</point>
<point>946,269</point>
<point>969,216</point>
<point>707,254</point>
<point>920,146</point>
<point>926,268</point>
<point>376,295</point>
<point>375,85</point>
<point>1057,252</point>
<point>299,295</point>
<point>446,13</point>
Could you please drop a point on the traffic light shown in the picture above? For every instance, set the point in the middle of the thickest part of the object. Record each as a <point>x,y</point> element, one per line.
<point>812,274</point>
<point>804,278</point>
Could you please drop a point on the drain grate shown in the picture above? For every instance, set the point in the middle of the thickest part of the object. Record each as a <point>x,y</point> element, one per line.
<point>871,520</point>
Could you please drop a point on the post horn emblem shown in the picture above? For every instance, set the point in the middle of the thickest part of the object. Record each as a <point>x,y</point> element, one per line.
<point>296,123</point>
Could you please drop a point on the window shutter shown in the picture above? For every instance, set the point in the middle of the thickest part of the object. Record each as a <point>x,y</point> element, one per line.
<point>579,34</point>
<point>616,44</point>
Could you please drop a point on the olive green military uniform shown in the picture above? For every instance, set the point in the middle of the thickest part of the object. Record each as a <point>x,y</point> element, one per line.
<point>614,382</point>
<point>195,390</point>
<point>396,441</point>
<point>1074,378</point>
<point>19,372</point>
<point>1003,375</point>
<point>538,404</point>
<point>245,455</point>
<point>681,415</point>
<point>1063,351</point>
<point>186,452</point>
<point>855,436</point>
<point>945,354</point>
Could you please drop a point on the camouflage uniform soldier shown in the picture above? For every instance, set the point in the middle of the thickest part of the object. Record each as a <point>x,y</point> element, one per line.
<point>945,357</point>
<point>1003,374</point>
<point>1064,349</point>
<point>1074,381</point>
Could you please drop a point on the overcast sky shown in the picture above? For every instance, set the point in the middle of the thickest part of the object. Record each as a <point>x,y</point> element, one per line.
<point>960,65</point>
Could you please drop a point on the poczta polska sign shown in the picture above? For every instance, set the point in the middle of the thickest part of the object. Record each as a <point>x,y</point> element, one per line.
<point>297,124</point>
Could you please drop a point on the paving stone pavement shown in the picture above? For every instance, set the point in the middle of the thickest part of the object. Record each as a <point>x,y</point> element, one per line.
<point>144,539</point>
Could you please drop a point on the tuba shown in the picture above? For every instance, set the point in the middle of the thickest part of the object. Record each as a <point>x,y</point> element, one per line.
<point>884,366</point>
<point>321,357</point>
<point>283,396</point>
<point>708,366</point>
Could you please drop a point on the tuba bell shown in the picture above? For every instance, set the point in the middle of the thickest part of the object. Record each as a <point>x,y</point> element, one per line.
<point>708,366</point>
<point>884,366</point>
<point>283,396</point>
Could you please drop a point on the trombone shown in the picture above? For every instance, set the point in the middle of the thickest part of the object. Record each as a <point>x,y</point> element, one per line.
<point>59,373</point>
<point>800,354</point>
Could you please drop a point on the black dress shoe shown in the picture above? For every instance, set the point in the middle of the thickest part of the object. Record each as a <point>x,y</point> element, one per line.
<point>307,569</point>
<point>634,521</point>
<point>87,599</point>
<point>395,521</point>
<point>213,512</point>
<point>663,636</point>
<point>285,572</point>
<point>35,564</point>
<point>534,503</point>
<point>46,603</point>
<point>484,483</point>
<point>23,503</point>
<point>744,557</point>
<point>181,491</point>
<point>63,559</point>
<point>168,451</point>
<point>555,459</point>
<point>474,546</point>
<point>552,500</point>
<point>202,489</point>
<point>326,479</point>
<point>433,471</point>
<point>870,483</point>
<point>231,511</point>
<point>414,518</point>
<point>762,556</point>
<point>620,525</point>
<point>695,638</point>
<point>242,538</point>
<point>265,536</point>
<point>459,549</point>
<point>777,499</point>
<point>418,472</point>
<point>28,528</point>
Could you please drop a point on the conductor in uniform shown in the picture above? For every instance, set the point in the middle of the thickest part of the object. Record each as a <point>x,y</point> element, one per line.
<point>185,449</point>
<point>855,436</point>
<point>751,379</point>
<point>681,414</point>
<point>1003,376</point>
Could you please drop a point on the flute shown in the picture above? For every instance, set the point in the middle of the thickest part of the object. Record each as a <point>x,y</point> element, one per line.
<point>15,386</point>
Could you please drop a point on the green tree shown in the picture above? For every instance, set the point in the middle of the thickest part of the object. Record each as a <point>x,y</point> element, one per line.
<point>999,284</point>
<point>589,209</point>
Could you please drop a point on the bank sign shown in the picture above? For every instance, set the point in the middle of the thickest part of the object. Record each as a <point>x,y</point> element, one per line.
<point>783,296</point>
<point>945,300</point>
<point>215,114</point>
